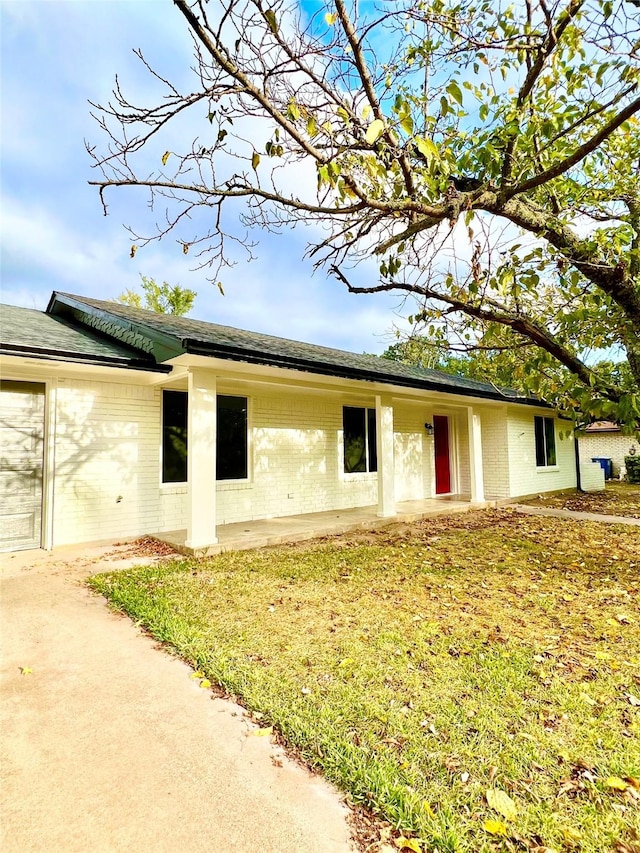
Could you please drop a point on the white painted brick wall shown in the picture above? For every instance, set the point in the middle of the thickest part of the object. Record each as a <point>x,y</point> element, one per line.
<point>106,461</point>
<point>412,458</point>
<point>524,477</point>
<point>172,508</point>
<point>608,446</point>
<point>460,436</point>
<point>591,477</point>
<point>495,456</point>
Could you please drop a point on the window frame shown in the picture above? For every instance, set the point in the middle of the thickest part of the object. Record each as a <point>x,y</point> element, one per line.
<point>544,428</point>
<point>248,454</point>
<point>370,441</point>
<point>168,484</point>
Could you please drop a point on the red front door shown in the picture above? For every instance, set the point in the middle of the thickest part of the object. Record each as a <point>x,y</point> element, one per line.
<point>441,444</point>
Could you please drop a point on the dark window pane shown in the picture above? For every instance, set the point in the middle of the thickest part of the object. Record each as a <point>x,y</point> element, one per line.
<point>550,440</point>
<point>540,454</point>
<point>353,425</point>
<point>371,438</point>
<point>231,446</point>
<point>174,437</point>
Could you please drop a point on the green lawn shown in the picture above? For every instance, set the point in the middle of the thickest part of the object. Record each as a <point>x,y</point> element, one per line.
<point>475,680</point>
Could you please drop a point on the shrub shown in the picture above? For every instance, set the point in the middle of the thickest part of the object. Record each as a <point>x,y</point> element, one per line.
<point>632,464</point>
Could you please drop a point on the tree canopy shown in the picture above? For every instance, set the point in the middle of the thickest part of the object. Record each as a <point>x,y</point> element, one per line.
<point>479,158</point>
<point>162,298</point>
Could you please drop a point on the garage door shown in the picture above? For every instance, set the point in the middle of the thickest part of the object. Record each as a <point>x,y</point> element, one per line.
<point>21,463</point>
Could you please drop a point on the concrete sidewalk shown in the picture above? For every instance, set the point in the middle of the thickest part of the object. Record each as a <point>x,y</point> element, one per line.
<point>578,516</point>
<point>108,745</point>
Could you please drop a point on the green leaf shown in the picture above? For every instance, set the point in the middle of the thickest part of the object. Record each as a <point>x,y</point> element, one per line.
<point>454,90</point>
<point>293,110</point>
<point>374,131</point>
<point>426,147</point>
<point>270,18</point>
<point>406,123</point>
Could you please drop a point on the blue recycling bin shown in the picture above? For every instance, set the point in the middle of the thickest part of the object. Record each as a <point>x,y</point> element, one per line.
<point>605,464</point>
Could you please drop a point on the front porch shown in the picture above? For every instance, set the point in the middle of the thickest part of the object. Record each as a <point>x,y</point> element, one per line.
<point>244,535</point>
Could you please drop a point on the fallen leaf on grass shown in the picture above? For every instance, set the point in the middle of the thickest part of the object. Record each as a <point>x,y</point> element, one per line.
<point>197,674</point>
<point>625,847</point>
<point>501,802</point>
<point>632,700</point>
<point>616,783</point>
<point>26,670</point>
<point>205,683</point>
<point>495,827</point>
<point>403,843</point>
<point>572,837</point>
<point>268,730</point>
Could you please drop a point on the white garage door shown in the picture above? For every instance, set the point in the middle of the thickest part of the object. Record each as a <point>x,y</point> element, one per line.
<point>21,463</point>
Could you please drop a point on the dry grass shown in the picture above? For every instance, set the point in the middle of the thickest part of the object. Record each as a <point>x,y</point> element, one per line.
<point>617,499</point>
<point>422,667</point>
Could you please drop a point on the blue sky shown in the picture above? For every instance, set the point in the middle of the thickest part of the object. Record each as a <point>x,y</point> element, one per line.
<point>55,56</point>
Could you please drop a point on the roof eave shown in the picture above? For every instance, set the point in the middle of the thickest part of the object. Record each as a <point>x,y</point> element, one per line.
<point>82,358</point>
<point>163,346</point>
<point>196,347</point>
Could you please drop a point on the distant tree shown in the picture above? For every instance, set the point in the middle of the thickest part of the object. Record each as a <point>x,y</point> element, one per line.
<point>504,360</point>
<point>162,298</point>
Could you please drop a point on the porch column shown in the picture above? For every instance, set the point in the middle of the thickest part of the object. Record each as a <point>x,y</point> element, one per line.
<point>475,456</point>
<point>201,460</point>
<point>386,464</point>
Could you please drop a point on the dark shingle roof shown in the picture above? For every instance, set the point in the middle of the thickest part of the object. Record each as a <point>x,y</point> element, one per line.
<point>167,336</point>
<point>27,332</point>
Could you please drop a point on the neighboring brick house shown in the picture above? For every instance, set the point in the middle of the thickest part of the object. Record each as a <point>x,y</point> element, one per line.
<point>117,422</point>
<point>603,439</point>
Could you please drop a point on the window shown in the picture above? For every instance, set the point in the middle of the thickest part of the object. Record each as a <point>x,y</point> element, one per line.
<point>174,437</point>
<point>231,449</point>
<point>545,442</point>
<point>231,446</point>
<point>359,431</point>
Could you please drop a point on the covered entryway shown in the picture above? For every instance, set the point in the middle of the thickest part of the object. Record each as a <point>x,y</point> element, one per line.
<point>442,456</point>
<point>21,464</point>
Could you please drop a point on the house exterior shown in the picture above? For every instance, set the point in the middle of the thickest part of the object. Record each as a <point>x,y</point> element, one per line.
<point>118,422</point>
<point>605,440</point>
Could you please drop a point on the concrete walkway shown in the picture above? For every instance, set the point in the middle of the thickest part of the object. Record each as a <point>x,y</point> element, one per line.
<point>109,745</point>
<point>262,533</point>
<point>579,516</point>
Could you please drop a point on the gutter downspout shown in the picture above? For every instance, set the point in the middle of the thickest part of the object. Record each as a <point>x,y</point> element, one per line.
<point>576,448</point>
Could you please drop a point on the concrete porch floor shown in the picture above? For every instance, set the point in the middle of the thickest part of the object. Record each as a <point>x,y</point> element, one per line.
<point>296,528</point>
